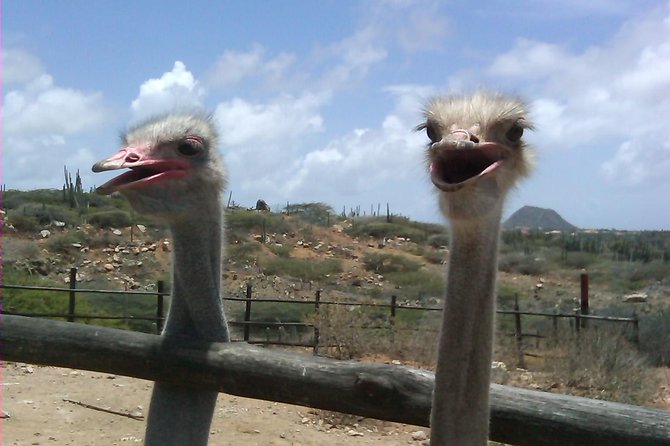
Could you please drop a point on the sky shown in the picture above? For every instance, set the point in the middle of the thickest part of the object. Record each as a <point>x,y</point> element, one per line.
<point>316,101</point>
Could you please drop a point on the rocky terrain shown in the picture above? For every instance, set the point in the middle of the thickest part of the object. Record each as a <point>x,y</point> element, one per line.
<point>46,405</point>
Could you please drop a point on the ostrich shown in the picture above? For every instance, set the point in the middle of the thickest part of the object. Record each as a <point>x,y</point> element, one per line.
<point>176,176</point>
<point>475,155</point>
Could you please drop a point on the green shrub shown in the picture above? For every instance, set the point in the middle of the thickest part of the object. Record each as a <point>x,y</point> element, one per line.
<point>23,223</point>
<point>14,249</point>
<point>506,296</point>
<point>13,199</point>
<point>382,229</point>
<point>580,260</point>
<point>281,250</point>
<point>110,219</point>
<point>240,222</point>
<point>625,276</point>
<point>313,213</point>
<point>655,270</point>
<point>63,242</point>
<point>276,312</point>
<point>304,269</point>
<point>380,263</point>
<point>102,240</point>
<point>46,214</point>
<point>243,251</point>
<point>434,256</point>
<point>35,301</point>
<point>516,262</point>
<point>438,240</point>
<point>418,283</point>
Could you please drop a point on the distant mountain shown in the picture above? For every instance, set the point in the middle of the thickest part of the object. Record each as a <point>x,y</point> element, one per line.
<point>537,218</point>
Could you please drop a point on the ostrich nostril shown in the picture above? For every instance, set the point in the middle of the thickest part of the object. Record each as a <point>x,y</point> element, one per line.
<point>473,138</point>
<point>132,158</point>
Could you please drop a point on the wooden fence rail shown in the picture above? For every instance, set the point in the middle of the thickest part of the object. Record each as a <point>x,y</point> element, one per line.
<point>387,392</point>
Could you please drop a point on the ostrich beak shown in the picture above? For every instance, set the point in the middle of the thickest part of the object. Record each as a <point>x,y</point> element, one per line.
<point>145,170</point>
<point>460,159</point>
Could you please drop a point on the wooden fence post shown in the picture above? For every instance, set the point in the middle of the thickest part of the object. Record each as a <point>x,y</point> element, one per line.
<point>160,287</point>
<point>394,302</point>
<point>636,329</point>
<point>554,323</point>
<point>73,286</point>
<point>247,314</point>
<point>518,334</point>
<point>317,333</point>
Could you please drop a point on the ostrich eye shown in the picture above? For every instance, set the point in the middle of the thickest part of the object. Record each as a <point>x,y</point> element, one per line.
<point>433,132</point>
<point>515,133</point>
<point>189,148</point>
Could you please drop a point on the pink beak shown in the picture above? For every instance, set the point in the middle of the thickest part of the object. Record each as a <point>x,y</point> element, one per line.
<point>144,169</point>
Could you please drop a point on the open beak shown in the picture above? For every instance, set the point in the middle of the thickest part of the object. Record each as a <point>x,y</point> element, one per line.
<point>144,170</point>
<point>458,160</point>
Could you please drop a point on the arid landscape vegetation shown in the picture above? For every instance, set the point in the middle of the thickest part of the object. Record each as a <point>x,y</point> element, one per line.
<point>352,256</point>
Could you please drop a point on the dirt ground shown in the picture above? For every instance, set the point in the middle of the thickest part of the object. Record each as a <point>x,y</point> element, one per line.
<point>41,403</point>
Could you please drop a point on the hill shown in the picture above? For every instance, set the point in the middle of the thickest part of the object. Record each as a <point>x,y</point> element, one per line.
<point>538,218</point>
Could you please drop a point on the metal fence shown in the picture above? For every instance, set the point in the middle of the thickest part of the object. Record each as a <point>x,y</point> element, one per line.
<point>274,332</point>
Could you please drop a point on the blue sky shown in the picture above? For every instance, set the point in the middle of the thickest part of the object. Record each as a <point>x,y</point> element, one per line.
<point>316,100</point>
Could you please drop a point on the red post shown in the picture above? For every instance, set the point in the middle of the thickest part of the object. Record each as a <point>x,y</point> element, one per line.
<point>584,300</point>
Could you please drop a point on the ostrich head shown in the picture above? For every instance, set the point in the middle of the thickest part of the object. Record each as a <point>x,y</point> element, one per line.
<point>476,151</point>
<point>174,166</point>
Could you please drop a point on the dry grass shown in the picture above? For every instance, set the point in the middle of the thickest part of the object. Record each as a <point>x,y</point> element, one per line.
<point>348,332</point>
<point>601,363</point>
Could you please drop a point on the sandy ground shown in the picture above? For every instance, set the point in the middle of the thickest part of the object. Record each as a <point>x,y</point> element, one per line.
<point>38,402</point>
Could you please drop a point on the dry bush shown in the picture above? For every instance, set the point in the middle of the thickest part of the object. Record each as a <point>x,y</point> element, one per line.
<point>655,336</point>
<point>413,344</point>
<point>601,363</point>
<point>348,332</point>
<point>340,330</point>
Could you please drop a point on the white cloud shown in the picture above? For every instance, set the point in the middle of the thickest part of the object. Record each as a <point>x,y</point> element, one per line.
<point>423,29</point>
<point>531,60</point>
<point>280,121</point>
<point>20,66</point>
<point>233,67</point>
<point>41,108</point>
<point>363,161</point>
<point>613,95</point>
<point>353,56</point>
<point>637,162</point>
<point>43,124</point>
<point>175,89</point>
<point>414,25</point>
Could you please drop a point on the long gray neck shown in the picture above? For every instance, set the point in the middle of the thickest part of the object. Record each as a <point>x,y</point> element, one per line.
<point>460,413</point>
<point>179,416</point>
<point>196,309</point>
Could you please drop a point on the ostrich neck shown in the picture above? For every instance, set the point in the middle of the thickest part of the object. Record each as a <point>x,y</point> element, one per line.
<point>460,412</point>
<point>179,415</point>
<point>196,309</point>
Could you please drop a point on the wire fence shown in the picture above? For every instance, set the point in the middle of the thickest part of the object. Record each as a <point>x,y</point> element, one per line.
<point>304,334</point>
